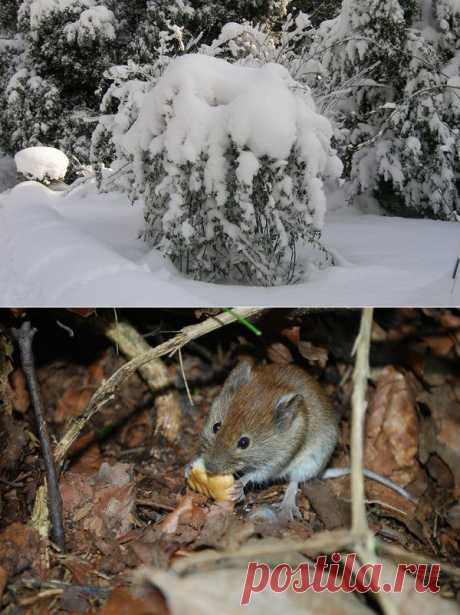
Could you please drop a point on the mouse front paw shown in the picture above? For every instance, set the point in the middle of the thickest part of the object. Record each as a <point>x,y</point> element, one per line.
<point>236,491</point>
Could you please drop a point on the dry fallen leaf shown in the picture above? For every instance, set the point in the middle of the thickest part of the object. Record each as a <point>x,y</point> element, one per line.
<point>21,398</point>
<point>409,600</point>
<point>13,431</point>
<point>223,529</point>
<point>219,591</point>
<point>102,502</point>
<point>19,548</point>
<point>184,524</point>
<point>439,345</point>
<point>392,428</point>
<point>441,433</point>
<point>123,602</point>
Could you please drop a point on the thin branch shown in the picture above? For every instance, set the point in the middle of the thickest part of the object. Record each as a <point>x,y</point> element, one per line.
<point>359,405</point>
<point>24,337</point>
<point>364,540</point>
<point>184,377</point>
<point>106,391</point>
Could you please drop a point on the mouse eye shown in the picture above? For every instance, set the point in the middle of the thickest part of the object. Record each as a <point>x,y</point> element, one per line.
<point>243,442</point>
<point>216,427</point>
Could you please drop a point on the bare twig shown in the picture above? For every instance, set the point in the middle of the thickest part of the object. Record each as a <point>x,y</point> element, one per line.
<point>107,390</point>
<point>363,539</point>
<point>360,528</point>
<point>24,337</point>
<point>321,542</point>
<point>184,377</point>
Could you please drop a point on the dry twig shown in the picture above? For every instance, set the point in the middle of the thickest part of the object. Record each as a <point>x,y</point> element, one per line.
<point>361,349</point>
<point>24,337</point>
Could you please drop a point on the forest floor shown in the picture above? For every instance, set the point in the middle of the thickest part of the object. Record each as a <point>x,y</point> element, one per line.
<point>125,501</point>
<point>82,248</point>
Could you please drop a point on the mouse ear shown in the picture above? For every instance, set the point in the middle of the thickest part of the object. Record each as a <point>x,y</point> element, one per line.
<point>240,375</point>
<point>286,410</point>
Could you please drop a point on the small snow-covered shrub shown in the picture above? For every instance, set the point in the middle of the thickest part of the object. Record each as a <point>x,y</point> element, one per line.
<point>230,161</point>
<point>44,164</point>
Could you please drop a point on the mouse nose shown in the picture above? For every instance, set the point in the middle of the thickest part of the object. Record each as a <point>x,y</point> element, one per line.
<point>215,466</point>
<point>212,467</point>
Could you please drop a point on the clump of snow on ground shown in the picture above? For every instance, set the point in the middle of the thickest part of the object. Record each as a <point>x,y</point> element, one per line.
<point>82,248</point>
<point>42,163</point>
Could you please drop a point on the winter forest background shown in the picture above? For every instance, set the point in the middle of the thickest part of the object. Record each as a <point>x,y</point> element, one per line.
<point>372,88</point>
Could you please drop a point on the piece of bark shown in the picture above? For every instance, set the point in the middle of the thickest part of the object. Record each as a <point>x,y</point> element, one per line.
<point>155,374</point>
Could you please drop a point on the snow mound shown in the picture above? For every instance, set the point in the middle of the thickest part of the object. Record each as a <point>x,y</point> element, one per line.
<point>42,163</point>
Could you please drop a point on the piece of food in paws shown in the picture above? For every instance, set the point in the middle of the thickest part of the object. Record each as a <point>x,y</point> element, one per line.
<point>217,487</point>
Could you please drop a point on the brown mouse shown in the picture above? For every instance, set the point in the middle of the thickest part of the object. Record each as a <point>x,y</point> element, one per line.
<point>270,422</point>
<point>273,422</point>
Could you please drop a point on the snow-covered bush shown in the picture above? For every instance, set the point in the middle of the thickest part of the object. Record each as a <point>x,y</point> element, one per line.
<point>255,45</point>
<point>121,103</point>
<point>319,11</point>
<point>70,41</point>
<point>447,13</point>
<point>230,161</point>
<point>144,23</point>
<point>399,134</point>
<point>8,16</point>
<point>48,90</point>
<point>31,108</point>
<point>209,17</point>
<point>44,164</point>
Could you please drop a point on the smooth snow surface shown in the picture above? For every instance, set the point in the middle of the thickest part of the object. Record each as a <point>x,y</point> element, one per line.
<point>42,163</point>
<point>82,249</point>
